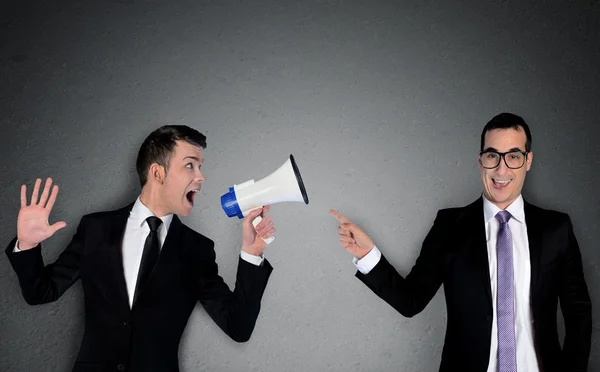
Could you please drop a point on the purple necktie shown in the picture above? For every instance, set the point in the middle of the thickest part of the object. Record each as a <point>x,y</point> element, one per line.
<point>507,354</point>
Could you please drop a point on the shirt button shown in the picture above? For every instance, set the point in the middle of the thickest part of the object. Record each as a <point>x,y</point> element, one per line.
<point>121,367</point>
<point>488,317</point>
<point>126,323</point>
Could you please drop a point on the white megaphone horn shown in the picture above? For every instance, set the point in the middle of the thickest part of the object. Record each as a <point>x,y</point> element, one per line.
<point>283,185</point>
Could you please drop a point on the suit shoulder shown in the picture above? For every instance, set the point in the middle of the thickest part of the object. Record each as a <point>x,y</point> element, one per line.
<point>549,217</point>
<point>102,216</point>
<point>451,212</point>
<point>546,211</point>
<point>453,215</point>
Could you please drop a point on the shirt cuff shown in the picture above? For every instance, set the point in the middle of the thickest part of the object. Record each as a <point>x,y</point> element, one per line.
<point>254,260</point>
<point>368,262</point>
<point>16,248</point>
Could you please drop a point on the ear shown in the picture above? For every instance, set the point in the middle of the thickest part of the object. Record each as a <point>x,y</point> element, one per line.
<point>157,173</point>
<point>529,160</point>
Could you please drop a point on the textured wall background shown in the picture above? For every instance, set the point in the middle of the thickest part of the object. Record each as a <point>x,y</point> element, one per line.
<point>382,104</point>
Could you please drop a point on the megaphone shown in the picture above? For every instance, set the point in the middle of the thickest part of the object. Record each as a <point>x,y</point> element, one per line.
<point>283,185</point>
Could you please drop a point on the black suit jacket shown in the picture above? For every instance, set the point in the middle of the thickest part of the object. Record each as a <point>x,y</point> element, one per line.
<point>455,253</point>
<point>146,336</point>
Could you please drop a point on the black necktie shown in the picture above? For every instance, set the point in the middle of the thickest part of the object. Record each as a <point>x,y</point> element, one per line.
<point>150,255</point>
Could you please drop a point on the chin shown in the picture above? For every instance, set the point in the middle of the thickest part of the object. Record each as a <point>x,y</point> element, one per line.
<point>502,199</point>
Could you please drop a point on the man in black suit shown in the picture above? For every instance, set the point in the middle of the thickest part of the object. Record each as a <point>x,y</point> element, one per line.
<point>142,270</point>
<point>504,263</point>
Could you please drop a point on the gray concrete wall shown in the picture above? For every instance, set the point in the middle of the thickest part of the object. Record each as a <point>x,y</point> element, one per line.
<point>382,104</point>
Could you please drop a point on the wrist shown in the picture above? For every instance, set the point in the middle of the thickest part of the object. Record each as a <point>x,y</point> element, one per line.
<point>253,251</point>
<point>364,253</point>
<point>23,246</point>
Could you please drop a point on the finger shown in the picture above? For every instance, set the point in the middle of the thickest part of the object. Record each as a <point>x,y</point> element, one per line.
<point>44,197</point>
<point>252,218</point>
<point>265,221</point>
<point>349,227</point>
<point>36,191</point>
<point>23,196</point>
<point>269,233</point>
<point>348,246</point>
<point>265,228</point>
<point>266,210</point>
<point>52,199</point>
<point>57,226</point>
<point>346,239</point>
<point>255,213</point>
<point>343,231</point>
<point>339,216</point>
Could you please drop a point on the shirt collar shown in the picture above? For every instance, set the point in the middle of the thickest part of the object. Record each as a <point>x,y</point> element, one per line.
<point>516,209</point>
<point>139,213</point>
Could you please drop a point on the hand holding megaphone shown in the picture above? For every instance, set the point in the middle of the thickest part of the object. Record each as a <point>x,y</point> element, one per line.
<point>283,185</point>
<point>258,230</point>
<point>258,219</point>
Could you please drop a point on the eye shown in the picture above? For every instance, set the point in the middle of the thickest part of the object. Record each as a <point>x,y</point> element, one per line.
<point>515,155</point>
<point>189,165</point>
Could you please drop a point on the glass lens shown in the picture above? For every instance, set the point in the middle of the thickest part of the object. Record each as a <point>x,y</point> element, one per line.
<point>514,159</point>
<point>490,159</point>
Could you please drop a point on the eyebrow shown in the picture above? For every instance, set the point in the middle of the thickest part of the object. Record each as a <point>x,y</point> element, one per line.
<point>193,158</point>
<point>493,149</point>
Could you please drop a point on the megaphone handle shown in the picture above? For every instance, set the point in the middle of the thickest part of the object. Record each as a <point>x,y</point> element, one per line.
<point>255,222</point>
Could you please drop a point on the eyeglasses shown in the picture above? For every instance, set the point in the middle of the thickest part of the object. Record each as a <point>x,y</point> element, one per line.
<point>513,159</point>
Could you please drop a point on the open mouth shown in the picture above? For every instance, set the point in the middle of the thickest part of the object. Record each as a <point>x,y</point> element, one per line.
<point>191,195</point>
<point>501,183</point>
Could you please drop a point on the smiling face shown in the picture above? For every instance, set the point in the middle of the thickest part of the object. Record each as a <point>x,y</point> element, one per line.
<point>182,181</point>
<point>502,185</point>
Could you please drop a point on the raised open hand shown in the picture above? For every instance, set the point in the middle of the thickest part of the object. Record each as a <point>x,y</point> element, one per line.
<point>32,222</point>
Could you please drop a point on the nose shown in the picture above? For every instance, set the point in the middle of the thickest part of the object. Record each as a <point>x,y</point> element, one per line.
<point>199,177</point>
<point>502,168</point>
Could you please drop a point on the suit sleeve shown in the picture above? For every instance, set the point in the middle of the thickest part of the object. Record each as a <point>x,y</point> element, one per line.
<point>42,284</point>
<point>234,312</point>
<point>410,295</point>
<point>576,308</point>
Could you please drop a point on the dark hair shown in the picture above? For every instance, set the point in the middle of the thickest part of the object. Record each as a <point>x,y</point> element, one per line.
<point>507,120</point>
<point>158,147</point>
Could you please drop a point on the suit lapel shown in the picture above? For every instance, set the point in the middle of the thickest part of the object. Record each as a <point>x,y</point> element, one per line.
<point>115,243</point>
<point>165,258</point>
<point>473,229</point>
<point>534,237</point>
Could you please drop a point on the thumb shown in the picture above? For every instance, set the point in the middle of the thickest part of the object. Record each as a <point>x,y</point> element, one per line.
<point>255,213</point>
<point>350,227</point>
<point>57,226</point>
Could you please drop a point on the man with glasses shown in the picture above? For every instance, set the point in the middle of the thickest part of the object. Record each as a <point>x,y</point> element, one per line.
<point>505,265</point>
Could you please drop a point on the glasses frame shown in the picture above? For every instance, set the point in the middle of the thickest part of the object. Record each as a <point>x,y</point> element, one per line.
<point>502,157</point>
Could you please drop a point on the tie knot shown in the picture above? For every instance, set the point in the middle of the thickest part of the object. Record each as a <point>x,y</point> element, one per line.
<point>503,216</point>
<point>153,223</point>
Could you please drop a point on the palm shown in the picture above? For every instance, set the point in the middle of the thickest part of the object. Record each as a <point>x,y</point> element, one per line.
<point>32,222</point>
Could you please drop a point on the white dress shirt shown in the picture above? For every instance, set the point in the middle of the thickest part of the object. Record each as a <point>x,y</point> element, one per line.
<point>134,238</point>
<point>526,356</point>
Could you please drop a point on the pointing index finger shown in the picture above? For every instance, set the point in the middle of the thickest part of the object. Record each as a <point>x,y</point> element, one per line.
<point>339,216</point>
